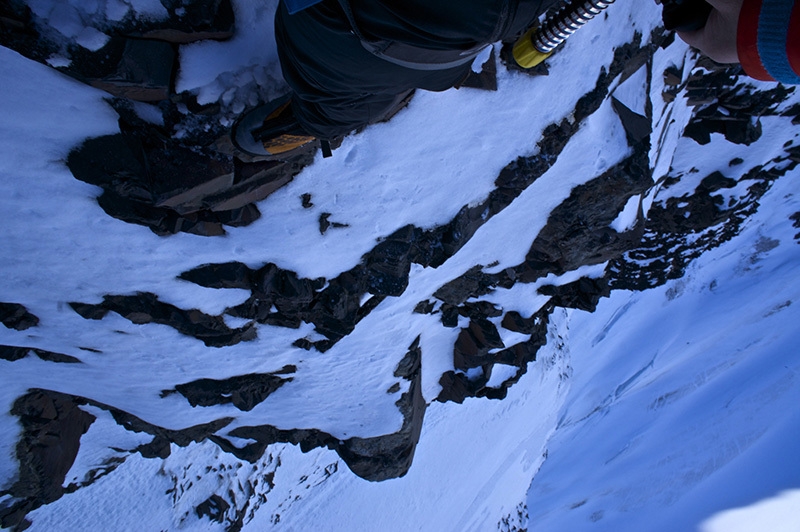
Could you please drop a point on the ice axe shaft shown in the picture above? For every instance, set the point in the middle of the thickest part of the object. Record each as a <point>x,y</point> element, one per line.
<point>539,42</point>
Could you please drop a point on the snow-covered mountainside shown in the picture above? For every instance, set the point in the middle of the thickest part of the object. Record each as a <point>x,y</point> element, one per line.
<point>568,303</point>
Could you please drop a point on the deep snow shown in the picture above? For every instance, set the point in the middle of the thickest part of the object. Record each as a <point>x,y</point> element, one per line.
<point>663,410</point>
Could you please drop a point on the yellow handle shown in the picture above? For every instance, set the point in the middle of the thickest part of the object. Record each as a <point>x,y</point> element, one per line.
<point>525,54</point>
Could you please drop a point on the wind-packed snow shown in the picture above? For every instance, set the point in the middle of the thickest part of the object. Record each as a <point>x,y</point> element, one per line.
<point>669,409</point>
<point>684,398</point>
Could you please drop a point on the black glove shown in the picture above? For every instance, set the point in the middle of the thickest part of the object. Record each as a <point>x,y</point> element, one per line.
<point>685,15</point>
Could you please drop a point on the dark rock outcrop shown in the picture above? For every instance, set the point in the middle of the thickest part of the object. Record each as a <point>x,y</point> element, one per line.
<point>244,391</point>
<point>12,353</point>
<point>374,459</point>
<point>16,316</point>
<point>583,294</point>
<point>138,59</point>
<point>726,106</point>
<point>171,186</point>
<point>214,508</point>
<point>474,344</point>
<point>146,308</point>
<point>52,426</point>
<point>390,456</point>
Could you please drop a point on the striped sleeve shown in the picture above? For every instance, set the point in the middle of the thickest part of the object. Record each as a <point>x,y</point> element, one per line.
<point>768,40</point>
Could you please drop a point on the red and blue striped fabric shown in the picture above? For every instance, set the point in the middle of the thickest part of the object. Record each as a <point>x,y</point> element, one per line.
<point>768,40</point>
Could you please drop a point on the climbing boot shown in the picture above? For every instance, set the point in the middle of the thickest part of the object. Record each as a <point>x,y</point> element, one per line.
<point>272,131</point>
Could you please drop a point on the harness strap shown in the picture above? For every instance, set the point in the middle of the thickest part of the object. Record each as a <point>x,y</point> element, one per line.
<point>419,58</point>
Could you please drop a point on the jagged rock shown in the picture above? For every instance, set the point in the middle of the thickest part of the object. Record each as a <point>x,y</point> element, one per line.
<point>146,165</point>
<point>214,508</point>
<point>794,112</point>
<point>520,354</point>
<point>158,448</point>
<point>578,231</point>
<point>742,130</point>
<point>264,435</point>
<point>449,316</point>
<point>513,321</point>
<point>474,343</point>
<point>49,356</point>
<point>187,22</point>
<point>12,353</point>
<point>424,307</point>
<point>181,438</point>
<point>226,275</point>
<point>244,391</point>
<point>455,388</point>
<point>374,459</point>
<point>672,76</point>
<point>384,457</point>
<point>487,78</point>
<point>165,221</point>
<point>479,309</point>
<point>52,426</point>
<point>410,364</point>
<point>325,223</point>
<point>730,106</point>
<point>142,69</point>
<point>714,182</point>
<point>664,251</point>
<point>16,316</point>
<point>637,127</point>
<point>152,179</point>
<point>281,298</point>
<point>583,294</point>
<point>145,308</point>
<point>389,263</point>
<point>251,183</point>
<point>472,284</point>
<point>139,68</point>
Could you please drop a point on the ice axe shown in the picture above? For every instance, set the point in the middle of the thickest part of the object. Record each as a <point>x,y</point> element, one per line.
<point>539,42</point>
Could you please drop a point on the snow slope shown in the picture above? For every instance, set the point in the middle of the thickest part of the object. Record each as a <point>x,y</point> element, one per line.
<point>661,410</point>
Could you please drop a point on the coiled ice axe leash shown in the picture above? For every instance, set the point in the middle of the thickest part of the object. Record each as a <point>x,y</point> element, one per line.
<point>539,42</point>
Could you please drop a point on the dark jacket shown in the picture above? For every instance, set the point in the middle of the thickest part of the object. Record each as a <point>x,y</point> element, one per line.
<point>340,85</point>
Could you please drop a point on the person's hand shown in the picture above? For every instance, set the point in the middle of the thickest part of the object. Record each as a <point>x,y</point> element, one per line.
<point>717,39</point>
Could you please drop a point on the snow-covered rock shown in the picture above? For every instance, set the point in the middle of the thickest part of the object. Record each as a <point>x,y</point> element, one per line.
<point>566,304</point>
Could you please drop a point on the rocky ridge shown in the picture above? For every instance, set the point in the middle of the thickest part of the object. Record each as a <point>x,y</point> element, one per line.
<point>579,233</point>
